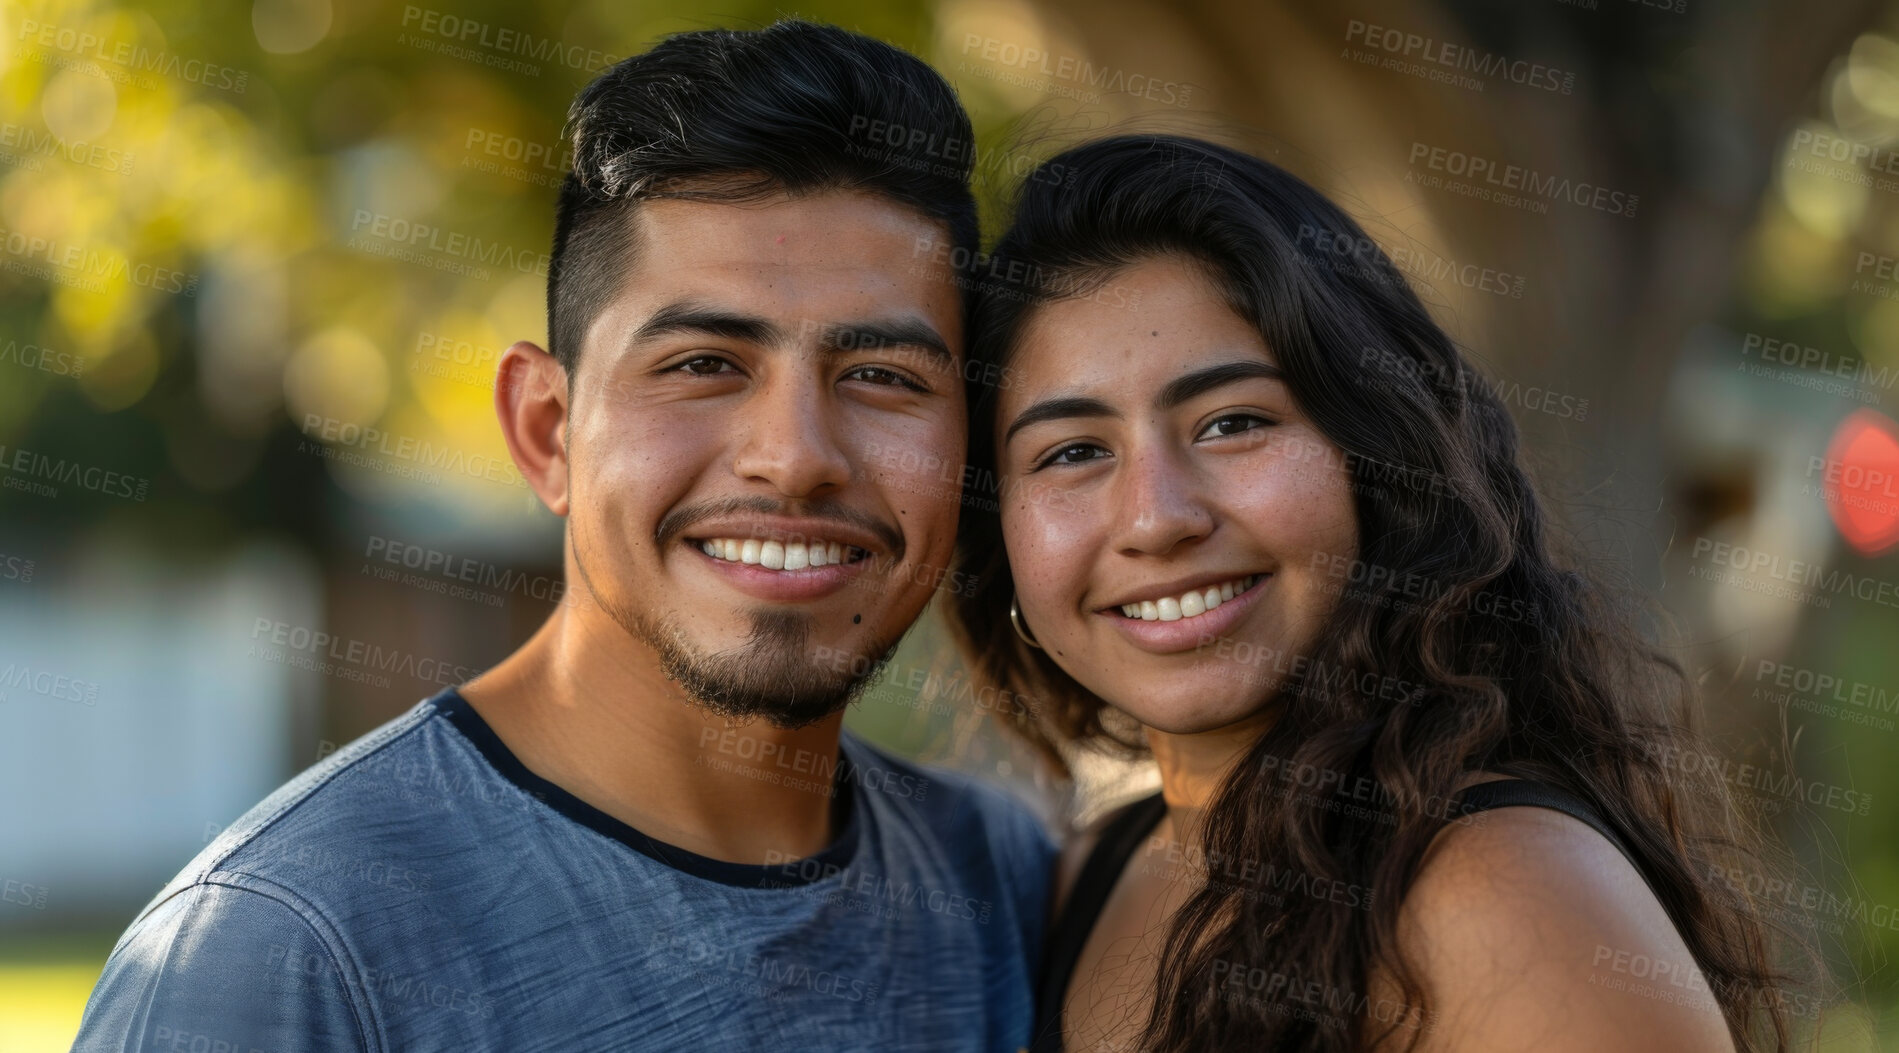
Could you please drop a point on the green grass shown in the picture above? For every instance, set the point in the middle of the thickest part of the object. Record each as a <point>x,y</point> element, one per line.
<point>44,981</point>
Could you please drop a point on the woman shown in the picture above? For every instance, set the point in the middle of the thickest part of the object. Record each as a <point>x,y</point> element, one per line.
<point>1253,512</point>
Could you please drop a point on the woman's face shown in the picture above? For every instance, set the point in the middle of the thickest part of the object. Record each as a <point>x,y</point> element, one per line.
<point>1177,529</point>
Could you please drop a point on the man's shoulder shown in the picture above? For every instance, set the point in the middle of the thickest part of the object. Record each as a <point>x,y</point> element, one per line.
<point>352,819</point>
<point>946,800</point>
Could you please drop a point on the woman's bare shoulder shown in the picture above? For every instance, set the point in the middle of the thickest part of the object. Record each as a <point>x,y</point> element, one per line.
<point>1530,930</point>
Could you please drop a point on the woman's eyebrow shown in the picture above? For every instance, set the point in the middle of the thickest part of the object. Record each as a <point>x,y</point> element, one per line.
<point>1058,408</point>
<point>1201,381</point>
<point>1177,391</point>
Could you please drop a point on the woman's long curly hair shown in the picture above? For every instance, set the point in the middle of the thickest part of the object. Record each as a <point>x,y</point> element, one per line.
<point>1511,662</point>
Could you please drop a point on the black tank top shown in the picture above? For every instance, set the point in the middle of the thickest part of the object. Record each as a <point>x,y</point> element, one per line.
<point>1123,833</point>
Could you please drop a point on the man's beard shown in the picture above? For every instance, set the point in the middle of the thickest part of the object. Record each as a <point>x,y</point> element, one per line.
<point>770,675</point>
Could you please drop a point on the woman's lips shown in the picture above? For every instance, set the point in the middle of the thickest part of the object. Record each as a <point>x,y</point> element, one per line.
<point>1187,632</point>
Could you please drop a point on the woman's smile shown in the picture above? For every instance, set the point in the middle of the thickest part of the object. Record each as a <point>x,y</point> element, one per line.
<point>1179,619</point>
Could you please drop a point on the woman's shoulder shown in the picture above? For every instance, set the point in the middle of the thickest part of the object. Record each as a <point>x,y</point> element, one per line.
<point>1530,929</point>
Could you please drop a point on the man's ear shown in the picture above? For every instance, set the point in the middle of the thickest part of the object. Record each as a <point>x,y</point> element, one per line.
<point>531,401</point>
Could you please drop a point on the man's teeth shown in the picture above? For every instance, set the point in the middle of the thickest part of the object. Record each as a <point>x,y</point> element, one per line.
<point>1189,604</point>
<point>781,555</point>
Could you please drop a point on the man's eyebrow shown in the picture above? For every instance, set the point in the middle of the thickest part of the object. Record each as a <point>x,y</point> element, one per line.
<point>1201,381</point>
<point>874,333</point>
<point>689,317</point>
<point>1059,408</point>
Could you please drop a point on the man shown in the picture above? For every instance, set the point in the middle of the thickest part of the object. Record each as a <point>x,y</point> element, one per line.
<point>642,830</point>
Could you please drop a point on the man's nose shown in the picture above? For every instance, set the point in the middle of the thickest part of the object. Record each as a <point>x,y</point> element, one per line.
<point>789,439</point>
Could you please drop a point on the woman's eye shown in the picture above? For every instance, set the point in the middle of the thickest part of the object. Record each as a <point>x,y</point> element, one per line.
<point>704,365</point>
<point>887,377</point>
<point>1074,453</point>
<point>1234,424</point>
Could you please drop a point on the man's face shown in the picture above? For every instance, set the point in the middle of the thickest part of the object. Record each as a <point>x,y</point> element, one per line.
<point>765,444</point>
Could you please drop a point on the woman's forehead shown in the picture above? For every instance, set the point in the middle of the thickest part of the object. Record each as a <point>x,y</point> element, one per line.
<point>1171,320</point>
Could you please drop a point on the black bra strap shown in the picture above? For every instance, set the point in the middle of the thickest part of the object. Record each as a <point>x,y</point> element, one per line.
<point>1512,793</point>
<point>1120,837</point>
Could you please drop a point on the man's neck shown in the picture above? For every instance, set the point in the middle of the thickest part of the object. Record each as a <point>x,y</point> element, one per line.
<point>587,707</point>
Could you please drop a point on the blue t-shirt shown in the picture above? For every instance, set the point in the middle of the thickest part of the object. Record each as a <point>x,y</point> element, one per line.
<point>422,890</point>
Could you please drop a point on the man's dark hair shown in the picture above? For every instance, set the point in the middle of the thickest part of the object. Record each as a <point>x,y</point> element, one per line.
<point>736,115</point>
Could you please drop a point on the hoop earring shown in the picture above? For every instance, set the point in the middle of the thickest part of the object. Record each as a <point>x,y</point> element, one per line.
<point>1015,619</point>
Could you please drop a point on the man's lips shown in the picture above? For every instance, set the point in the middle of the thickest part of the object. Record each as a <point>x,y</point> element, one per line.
<point>788,532</point>
<point>780,585</point>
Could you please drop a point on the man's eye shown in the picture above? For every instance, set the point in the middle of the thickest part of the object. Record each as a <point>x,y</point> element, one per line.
<point>1074,453</point>
<point>1234,424</point>
<point>704,365</point>
<point>880,375</point>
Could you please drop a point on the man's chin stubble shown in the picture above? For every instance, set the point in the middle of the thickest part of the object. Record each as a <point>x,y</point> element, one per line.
<point>770,675</point>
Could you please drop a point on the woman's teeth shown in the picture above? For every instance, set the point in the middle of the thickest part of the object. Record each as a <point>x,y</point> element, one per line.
<point>1189,604</point>
<point>781,555</point>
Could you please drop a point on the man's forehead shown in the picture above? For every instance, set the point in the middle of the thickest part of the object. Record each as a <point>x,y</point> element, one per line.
<point>792,297</point>
<point>831,222</point>
<point>802,269</point>
<point>766,305</point>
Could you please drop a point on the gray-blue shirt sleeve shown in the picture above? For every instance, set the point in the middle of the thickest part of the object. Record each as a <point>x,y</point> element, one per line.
<point>1034,855</point>
<point>218,966</point>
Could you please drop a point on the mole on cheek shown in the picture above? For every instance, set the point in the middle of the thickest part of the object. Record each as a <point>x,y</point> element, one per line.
<point>856,618</point>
